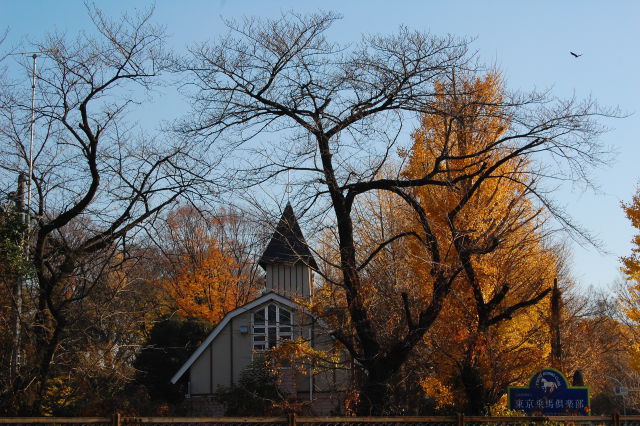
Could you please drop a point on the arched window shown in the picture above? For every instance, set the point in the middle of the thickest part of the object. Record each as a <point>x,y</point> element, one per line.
<point>271,325</point>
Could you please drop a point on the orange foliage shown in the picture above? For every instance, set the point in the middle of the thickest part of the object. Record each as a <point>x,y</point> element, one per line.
<point>206,289</point>
<point>203,281</point>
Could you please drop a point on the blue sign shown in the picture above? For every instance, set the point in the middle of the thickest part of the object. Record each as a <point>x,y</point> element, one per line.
<point>549,393</point>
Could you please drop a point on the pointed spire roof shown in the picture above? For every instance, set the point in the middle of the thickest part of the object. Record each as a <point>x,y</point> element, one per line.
<point>287,245</point>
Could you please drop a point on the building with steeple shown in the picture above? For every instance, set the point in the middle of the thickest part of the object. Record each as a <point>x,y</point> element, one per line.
<point>264,323</point>
<point>287,260</point>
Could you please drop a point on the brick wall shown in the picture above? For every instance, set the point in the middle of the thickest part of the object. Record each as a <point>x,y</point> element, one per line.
<point>287,381</point>
<point>203,406</point>
<point>324,403</point>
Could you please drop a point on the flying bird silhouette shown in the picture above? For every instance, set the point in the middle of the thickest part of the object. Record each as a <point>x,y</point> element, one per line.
<point>576,55</point>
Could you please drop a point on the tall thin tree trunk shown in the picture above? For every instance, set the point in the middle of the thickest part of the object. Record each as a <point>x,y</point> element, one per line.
<point>556,346</point>
<point>17,288</point>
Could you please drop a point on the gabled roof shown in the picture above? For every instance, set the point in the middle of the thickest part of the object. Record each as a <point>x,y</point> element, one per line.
<point>271,296</point>
<point>287,245</point>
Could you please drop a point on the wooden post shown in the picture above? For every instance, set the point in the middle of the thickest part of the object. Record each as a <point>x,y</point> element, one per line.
<point>291,417</point>
<point>460,419</point>
<point>615,419</point>
<point>116,420</point>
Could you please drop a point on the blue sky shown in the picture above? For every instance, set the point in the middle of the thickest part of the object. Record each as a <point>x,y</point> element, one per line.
<point>529,42</point>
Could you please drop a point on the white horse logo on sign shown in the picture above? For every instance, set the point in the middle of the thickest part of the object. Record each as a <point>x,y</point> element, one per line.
<point>548,381</point>
<point>548,386</point>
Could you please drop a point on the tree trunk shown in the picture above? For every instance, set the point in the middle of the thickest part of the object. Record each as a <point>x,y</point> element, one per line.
<point>374,392</point>
<point>471,373</point>
<point>474,390</point>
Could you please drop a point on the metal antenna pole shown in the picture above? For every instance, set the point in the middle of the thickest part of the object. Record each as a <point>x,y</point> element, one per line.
<point>33,125</point>
<point>25,213</point>
<point>34,55</point>
<point>287,188</point>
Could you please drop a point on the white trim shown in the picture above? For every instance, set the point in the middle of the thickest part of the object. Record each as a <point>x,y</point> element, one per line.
<point>242,309</point>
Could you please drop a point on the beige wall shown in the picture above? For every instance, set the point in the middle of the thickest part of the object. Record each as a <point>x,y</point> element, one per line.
<point>289,280</point>
<point>230,352</point>
<point>200,375</point>
<point>323,381</point>
<point>214,368</point>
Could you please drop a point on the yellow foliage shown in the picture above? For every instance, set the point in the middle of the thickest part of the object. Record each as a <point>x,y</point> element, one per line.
<point>630,298</point>
<point>496,212</point>
<point>441,393</point>
<point>300,355</point>
<point>57,395</point>
<point>459,139</point>
<point>631,264</point>
<point>499,208</point>
<point>635,356</point>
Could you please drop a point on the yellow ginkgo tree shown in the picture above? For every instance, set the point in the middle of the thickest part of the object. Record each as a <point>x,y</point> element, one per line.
<point>488,230</point>
<point>631,263</point>
<point>630,297</point>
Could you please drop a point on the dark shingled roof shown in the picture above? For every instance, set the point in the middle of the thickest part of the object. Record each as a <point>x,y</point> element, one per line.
<point>287,244</point>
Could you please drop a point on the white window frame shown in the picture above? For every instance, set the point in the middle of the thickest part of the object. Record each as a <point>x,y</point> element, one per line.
<point>263,345</point>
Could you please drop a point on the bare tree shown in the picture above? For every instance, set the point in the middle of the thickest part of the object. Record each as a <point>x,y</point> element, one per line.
<point>97,178</point>
<point>337,112</point>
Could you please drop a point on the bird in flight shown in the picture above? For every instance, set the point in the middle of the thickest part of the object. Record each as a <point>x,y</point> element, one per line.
<point>575,55</point>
